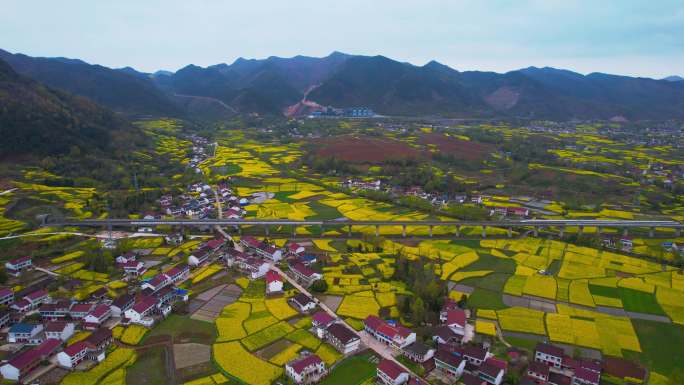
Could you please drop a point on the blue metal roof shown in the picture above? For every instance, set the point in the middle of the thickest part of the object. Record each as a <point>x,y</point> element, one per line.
<point>21,328</point>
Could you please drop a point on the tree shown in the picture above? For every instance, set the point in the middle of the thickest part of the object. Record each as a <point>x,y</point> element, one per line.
<point>319,286</point>
<point>418,310</point>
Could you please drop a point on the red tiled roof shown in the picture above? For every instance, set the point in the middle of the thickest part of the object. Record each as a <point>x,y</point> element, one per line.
<point>550,350</point>
<point>457,317</point>
<point>75,348</point>
<point>448,358</point>
<point>300,365</point>
<point>538,368</point>
<point>5,291</point>
<point>469,379</point>
<point>36,295</point>
<point>591,365</point>
<point>272,276</point>
<point>490,369</point>
<point>57,326</point>
<point>322,318</point>
<point>293,247</point>
<point>475,352</point>
<point>403,331</point>
<point>390,368</point>
<point>98,337</point>
<point>81,308</point>
<point>144,304</point>
<point>251,241</point>
<point>301,268</point>
<point>48,346</point>
<point>559,379</point>
<point>24,359</point>
<point>501,364</point>
<point>19,260</point>
<point>373,322</point>
<point>386,330</point>
<point>22,303</point>
<point>214,243</point>
<point>158,279</point>
<point>587,375</point>
<point>132,264</point>
<point>100,310</point>
<point>342,333</point>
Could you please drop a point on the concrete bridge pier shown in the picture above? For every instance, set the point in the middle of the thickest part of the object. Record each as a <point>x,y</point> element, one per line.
<point>651,232</point>
<point>266,230</point>
<point>458,231</point>
<point>599,230</point>
<point>678,232</point>
<point>403,231</point>
<point>349,231</point>
<point>535,232</point>
<point>430,231</point>
<point>625,232</point>
<point>510,232</point>
<point>561,230</point>
<point>377,231</point>
<point>239,229</point>
<point>294,231</point>
<point>484,231</point>
<point>581,230</point>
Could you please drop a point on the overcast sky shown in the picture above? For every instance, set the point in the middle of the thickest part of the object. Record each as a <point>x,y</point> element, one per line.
<point>631,37</point>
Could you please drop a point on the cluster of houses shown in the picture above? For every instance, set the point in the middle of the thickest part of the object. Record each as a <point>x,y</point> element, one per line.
<point>551,366</point>
<point>200,202</point>
<point>39,341</point>
<point>54,321</point>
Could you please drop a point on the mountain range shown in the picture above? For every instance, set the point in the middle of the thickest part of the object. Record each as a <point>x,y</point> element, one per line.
<point>300,84</point>
<point>39,120</point>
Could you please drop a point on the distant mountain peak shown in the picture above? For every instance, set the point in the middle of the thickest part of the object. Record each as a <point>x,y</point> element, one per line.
<point>674,78</point>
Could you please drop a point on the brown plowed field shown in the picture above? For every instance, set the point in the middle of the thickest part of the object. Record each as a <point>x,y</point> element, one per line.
<point>462,149</point>
<point>365,149</point>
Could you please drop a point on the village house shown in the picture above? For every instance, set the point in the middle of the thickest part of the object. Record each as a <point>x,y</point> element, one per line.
<point>54,311</point>
<point>321,321</point>
<point>178,273</point>
<point>306,370</point>
<point>444,335</point>
<point>36,298</point>
<point>24,362</point>
<point>23,332</point>
<point>198,257</point>
<point>456,321</point>
<point>538,370</point>
<point>134,268</point>
<point>304,274</point>
<point>251,243</point>
<point>585,376</point>
<point>128,256</point>
<point>140,311</point>
<point>274,283</point>
<point>302,302</point>
<point>449,364</point>
<point>343,339</point>
<point>397,336</point>
<point>97,317</point>
<point>270,252</point>
<point>295,249</point>
<point>492,371</point>
<point>549,355</point>
<point>254,268</point>
<point>157,282</point>
<point>72,355</point>
<point>389,373</point>
<point>418,352</point>
<point>6,296</point>
<point>475,355</point>
<point>59,330</point>
<point>121,304</point>
<point>80,310</point>
<point>16,266</point>
<point>174,238</point>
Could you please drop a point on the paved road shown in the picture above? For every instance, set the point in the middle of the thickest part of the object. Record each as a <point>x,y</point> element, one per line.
<point>381,349</point>
<point>9,191</point>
